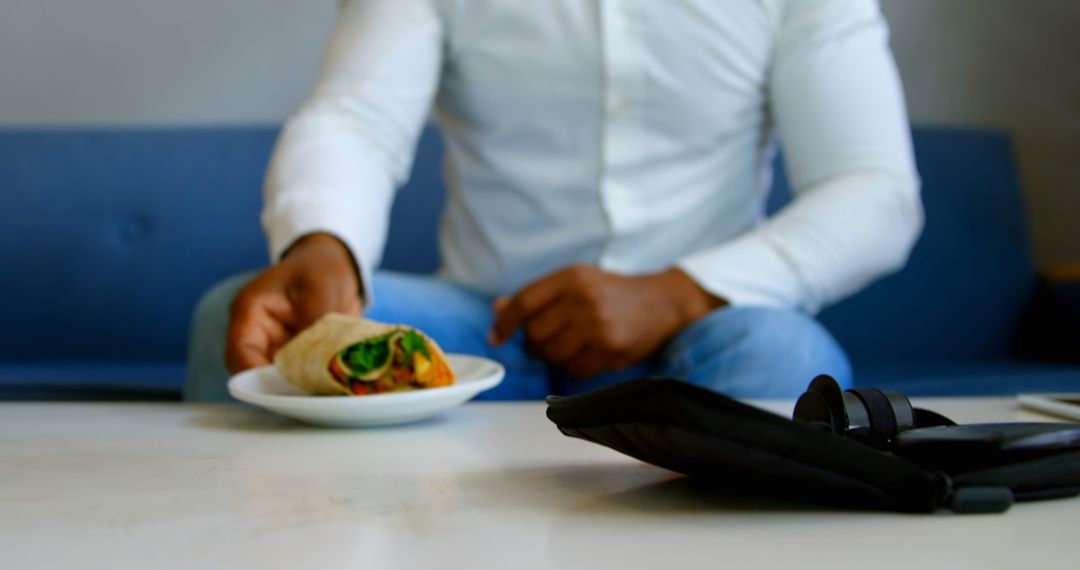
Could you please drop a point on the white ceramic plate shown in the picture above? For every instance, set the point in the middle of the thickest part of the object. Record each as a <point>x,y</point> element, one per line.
<point>266,388</point>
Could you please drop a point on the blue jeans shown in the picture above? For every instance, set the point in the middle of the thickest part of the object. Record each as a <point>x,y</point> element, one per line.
<point>744,352</point>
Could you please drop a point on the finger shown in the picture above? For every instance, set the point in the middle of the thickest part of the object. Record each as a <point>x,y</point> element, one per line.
<point>253,341</point>
<point>565,343</point>
<point>497,306</point>
<point>352,303</point>
<point>248,355</point>
<point>313,298</point>
<point>547,322</point>
<point>539,349</point>
<point>588,363</point>
<point>259,325</point>
<point>526,303</point>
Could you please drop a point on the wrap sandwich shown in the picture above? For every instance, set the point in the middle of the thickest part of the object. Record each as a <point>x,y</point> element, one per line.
<point>343,355</point>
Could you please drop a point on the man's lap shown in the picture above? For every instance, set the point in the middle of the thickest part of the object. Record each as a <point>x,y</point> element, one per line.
<point>742,351</point>
<point>459,320</point>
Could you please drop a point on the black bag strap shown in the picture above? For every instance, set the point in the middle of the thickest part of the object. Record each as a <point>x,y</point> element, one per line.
<point>698,432</point>
<point>731,439</point>
<point>1050,477</point>
<point>928,418</point>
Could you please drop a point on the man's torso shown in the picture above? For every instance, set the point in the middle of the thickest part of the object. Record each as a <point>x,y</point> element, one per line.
<point>618,132</point>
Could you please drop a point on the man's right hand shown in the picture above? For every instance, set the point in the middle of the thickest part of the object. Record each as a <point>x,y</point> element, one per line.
<point>316,276</point>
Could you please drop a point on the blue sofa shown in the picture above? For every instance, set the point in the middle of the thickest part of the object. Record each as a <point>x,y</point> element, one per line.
<point>110,236</point>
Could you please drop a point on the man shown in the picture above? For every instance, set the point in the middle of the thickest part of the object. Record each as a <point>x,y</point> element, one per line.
<point>607,162</point>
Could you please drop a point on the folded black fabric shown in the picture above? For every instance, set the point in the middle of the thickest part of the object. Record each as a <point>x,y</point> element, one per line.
<point>708,436</point>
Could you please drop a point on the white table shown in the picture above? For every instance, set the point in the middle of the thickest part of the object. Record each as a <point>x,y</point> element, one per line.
<point>482,486</point>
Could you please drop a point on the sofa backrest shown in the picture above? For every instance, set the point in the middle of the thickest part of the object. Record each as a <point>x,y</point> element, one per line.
<point>108,237</point>
<point>970,276</point>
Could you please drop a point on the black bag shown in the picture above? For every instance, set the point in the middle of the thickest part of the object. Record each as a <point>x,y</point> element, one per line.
<point>748,451</point>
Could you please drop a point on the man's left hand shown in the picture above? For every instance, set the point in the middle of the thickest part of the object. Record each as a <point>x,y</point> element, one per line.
<point>588,321</point>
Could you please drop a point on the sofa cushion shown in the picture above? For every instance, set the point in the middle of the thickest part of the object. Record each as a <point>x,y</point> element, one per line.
<point>110,236</point>
<point>92,380</point>
<point>114,234</point>
<point>970,276</point>
<point>971,378</point>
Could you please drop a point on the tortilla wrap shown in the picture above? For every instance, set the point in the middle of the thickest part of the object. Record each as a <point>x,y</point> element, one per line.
<point>306,360</point>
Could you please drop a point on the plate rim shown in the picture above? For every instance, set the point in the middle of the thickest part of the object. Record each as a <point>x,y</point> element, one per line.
<point>477,386</point>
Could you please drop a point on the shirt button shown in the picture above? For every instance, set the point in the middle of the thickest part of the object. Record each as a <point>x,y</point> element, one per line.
<point>617,192</point>
<point>616,265</point>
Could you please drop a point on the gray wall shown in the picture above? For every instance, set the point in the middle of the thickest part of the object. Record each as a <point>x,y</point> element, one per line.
<point>1012,64</point>
<point>65,62</point>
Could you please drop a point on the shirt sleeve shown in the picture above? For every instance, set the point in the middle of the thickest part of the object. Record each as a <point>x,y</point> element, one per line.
<point>340,158</point>
<point>836,99</point>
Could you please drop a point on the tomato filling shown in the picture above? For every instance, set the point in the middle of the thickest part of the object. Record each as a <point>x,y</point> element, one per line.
<point>400,360</point>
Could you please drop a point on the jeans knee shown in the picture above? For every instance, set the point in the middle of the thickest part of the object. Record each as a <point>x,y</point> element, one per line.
<point>756,352</point>
<point>206,371</point>
<point>215,303</point>
<point>456,318</point>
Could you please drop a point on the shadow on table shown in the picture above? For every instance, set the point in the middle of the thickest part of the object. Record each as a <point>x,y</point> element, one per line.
<point>685,495</point>
<point>231,417</point>
<point>650,489</point>
<point>674,521</point>
<point>627,488</point>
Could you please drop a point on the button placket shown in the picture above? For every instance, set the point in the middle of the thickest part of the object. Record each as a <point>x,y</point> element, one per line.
<point>622,81</point>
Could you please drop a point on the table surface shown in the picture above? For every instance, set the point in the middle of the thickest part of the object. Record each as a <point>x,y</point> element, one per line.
<point>485,485</point>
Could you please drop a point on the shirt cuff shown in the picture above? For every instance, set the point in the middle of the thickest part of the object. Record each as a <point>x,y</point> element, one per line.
<point>748,270</point>
<point>288,219</point>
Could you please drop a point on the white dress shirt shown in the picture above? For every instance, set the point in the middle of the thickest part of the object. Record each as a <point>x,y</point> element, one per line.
<point>636,135</point>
